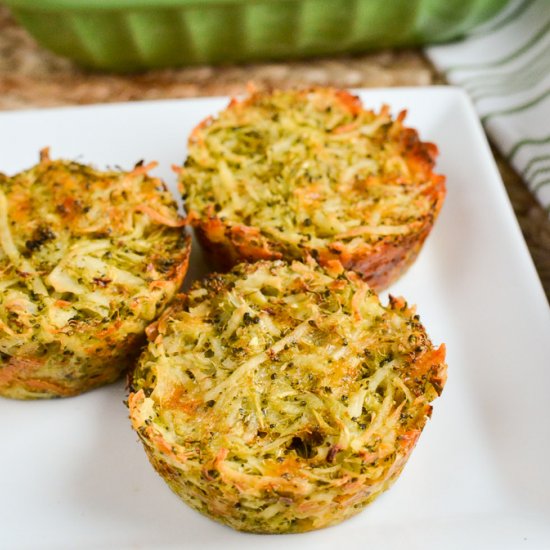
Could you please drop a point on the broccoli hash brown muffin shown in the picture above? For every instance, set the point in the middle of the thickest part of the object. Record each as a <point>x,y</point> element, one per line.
<point>283,398</point>
<point>88,259</point>
<point>291,174</point>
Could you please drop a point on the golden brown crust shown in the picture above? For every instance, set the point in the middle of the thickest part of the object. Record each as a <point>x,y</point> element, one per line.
<point>87,259</point>
<point>384,263</point>
<point>403,164</point>
<point>23,377</point>
<point>227,246</point>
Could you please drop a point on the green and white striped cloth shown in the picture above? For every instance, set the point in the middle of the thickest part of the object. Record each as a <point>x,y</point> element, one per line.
<point>505,67</point>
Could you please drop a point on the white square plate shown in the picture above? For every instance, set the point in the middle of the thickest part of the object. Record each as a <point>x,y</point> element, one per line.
<point>73,474</point>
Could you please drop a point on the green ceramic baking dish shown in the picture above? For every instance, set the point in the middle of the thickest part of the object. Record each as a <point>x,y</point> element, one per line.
<point>131,35</point>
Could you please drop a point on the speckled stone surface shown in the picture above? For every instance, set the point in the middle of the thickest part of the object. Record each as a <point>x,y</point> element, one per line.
<point>31,77</point>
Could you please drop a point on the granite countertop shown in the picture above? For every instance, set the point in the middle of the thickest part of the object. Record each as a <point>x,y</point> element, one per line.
<point>31,77</point>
